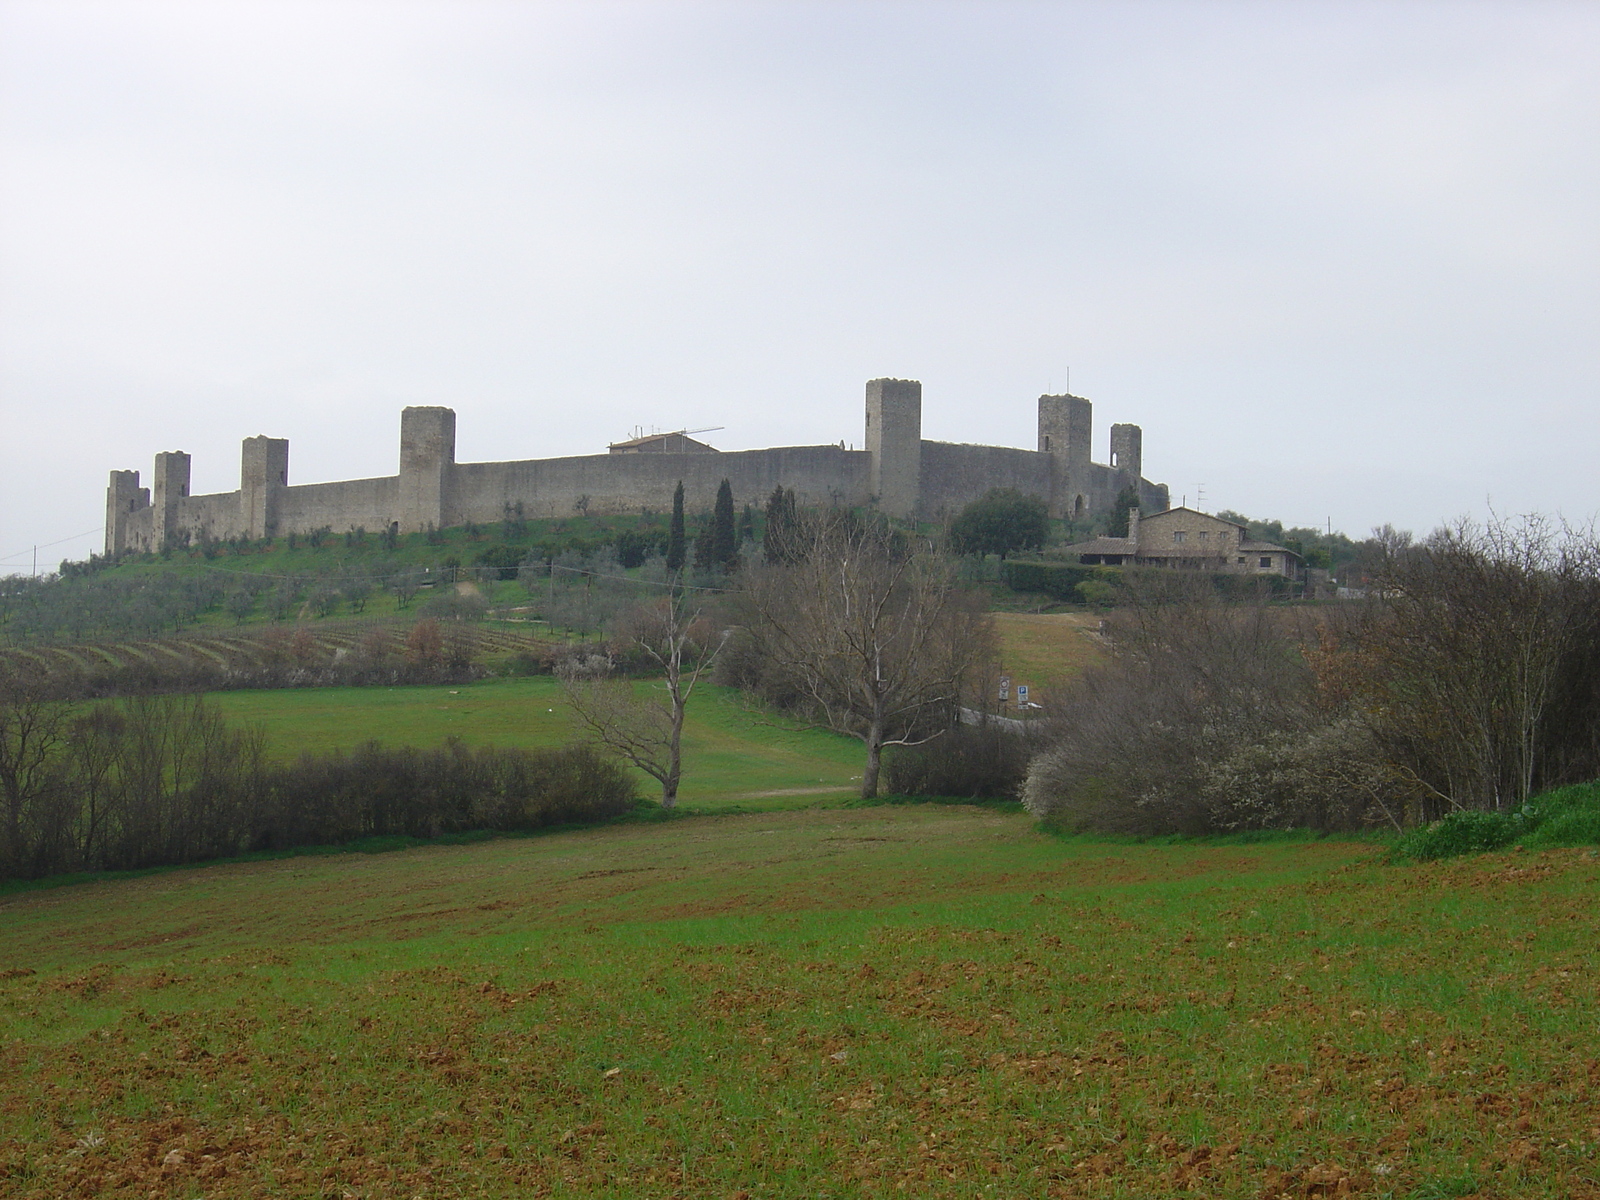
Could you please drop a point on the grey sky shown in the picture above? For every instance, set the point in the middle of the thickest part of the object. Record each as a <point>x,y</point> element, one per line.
<point>1340,261</point>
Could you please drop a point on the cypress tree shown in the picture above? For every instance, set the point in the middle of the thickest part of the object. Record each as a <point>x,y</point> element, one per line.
<point>747,525</point>
<point>724,542</point>
<point>675,544</point>
<point>702,549</point>
<point>781,518</point>
<point>1127,498</point>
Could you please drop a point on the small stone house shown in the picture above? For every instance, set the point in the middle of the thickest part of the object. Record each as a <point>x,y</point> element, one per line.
<point>1186,540</point>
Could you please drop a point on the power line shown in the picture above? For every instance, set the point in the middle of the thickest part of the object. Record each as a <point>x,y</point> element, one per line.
<point>47,545</point>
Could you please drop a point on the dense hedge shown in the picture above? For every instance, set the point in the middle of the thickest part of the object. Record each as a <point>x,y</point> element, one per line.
<point>1059,581</point>
<point>159,780</point>
<point>970,762</point>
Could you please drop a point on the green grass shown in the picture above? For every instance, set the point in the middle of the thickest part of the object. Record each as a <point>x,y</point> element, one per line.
<point>732,755</point>
<point>920,1000</point>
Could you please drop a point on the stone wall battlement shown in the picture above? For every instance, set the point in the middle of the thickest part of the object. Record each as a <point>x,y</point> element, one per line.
<point>899,472</point>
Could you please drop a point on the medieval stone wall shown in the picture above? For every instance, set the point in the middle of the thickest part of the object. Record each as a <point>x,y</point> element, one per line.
<point>370,504</point>
<point>899,472</point>
<point>617,483</point>
<point>955,474</point>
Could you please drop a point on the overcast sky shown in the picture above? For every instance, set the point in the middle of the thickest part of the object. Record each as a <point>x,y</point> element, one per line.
<point>1341,261</point>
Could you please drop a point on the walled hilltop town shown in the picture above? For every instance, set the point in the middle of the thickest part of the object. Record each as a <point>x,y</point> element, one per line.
<point>900,472</point>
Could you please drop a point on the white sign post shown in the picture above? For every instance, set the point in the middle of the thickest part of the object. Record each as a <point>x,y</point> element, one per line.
<point>1005,688</point>
<point>1022,695</point>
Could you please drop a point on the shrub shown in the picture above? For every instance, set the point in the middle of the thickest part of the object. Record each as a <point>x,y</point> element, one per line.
<point>978,762</point>
<point>1568,816</point>
<point>1467,832</point>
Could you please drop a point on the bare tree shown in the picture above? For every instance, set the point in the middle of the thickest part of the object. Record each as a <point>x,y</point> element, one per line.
<point>673,635</point>
<point>1485,650</point>
<point>34,726</point>
<point>872,631</point>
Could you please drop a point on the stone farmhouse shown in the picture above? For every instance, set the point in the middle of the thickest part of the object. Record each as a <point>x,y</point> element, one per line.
<point>1184,539</point>
<point>899,472</point>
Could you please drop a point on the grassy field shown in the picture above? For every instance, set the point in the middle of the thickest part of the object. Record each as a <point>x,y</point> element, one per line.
<point>913,1000</point>
<point>732,755</point>
<point>1044,650</point>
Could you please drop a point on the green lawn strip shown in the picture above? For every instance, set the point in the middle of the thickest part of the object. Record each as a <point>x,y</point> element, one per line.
<point>934,1000</point>
<point>732,754</point>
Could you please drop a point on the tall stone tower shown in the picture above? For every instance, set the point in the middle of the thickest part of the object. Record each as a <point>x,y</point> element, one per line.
<point>124,497</point>
<point>168,485</point>
<point>894,439</point>
<point>427,465</point>
<point>263,478</point>
<point>1066,426</point>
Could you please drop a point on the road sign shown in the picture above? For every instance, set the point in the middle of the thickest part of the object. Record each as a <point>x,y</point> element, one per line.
<point>1022,693</point>
<point>1005,688</point>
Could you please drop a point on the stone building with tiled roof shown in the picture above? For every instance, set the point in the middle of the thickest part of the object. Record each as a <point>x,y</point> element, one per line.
<point>1187,540</point>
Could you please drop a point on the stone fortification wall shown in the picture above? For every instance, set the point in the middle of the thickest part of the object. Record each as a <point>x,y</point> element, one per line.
<point>955,474</point>
<point>899,472</point>
<point>218,515</point>
<point>627,483</point>
<point>370,504</point>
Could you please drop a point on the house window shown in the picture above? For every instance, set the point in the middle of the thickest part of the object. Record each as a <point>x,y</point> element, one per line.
<point>1205,535</point>
<point>1180,535</point>
<point>1241,560</point>
<point>1047,443</point>
<point>1266,561</point>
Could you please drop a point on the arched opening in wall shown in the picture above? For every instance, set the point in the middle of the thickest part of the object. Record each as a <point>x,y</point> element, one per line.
<point>1116,460</point>
<point>1078,506</point>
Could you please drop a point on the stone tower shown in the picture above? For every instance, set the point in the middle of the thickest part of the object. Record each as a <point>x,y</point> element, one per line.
<point>1066,426</point>
<point>427,464</point>
<point>168,486</point>
<point>263,478</point>
<point>1127,454</point>
<point>894,439</point>
<point>124,497</point>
